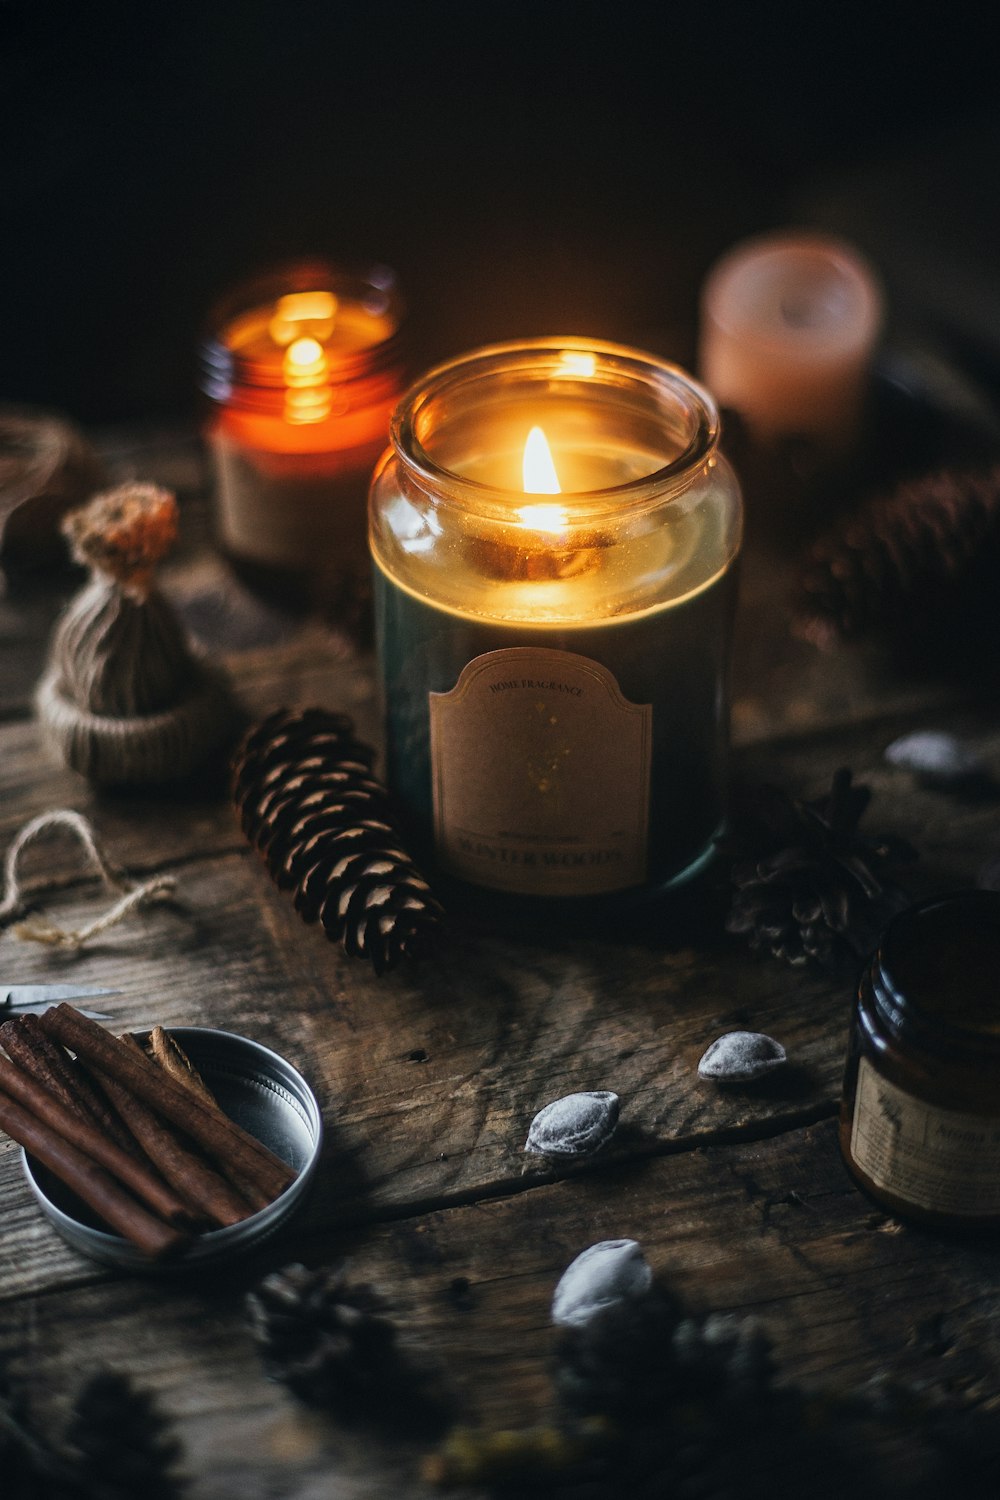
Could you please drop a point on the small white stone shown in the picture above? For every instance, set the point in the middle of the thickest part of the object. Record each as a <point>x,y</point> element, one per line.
<point>608,1272</point>
<point>936,755</point>
<point>741,1057</point>
<point>576,1125</point>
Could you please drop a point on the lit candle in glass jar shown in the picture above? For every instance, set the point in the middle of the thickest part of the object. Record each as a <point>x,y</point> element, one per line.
<point>303,369</point>
<point>554,536</point>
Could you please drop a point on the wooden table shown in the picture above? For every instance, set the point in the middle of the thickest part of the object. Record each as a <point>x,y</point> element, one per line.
<point>429,1077</point>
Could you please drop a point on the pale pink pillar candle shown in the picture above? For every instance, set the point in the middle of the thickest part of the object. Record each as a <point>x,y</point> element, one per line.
<point>788,327</point>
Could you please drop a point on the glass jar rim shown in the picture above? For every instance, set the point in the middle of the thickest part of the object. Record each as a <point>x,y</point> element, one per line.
<point>537,355</point>
<point>900,1007</point>
<point>223,371</point>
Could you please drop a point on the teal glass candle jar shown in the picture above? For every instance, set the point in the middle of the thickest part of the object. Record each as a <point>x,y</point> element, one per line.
<point>554,536</point>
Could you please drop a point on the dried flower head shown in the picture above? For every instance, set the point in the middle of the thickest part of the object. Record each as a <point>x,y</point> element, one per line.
<point>124,532</point>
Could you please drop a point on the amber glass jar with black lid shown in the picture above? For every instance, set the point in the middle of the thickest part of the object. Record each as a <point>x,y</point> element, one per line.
<point>920,1119</point>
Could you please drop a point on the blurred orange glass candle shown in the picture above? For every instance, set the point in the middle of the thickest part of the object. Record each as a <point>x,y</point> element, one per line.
<point>303,369</point>
<point>788,327</point>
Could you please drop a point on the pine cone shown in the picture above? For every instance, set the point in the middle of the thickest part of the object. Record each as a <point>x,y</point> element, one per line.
<point>325,827</point>
<point>324,1338</point>
<point>813,887</point>
<point>119,1445</point>
<point>927,551</point>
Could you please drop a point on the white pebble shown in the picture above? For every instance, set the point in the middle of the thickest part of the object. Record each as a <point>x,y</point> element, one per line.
<point>741,1057</point>
<point>935,755</point>
<point>577,1125</point>
<point>610,1271</point>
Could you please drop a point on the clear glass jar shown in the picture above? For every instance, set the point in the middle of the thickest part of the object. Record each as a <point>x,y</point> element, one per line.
<point>302,369</point>
<point>920,1118</point>
<point>553,620</point>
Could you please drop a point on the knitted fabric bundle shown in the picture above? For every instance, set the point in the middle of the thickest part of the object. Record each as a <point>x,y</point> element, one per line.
<point>125,699</point>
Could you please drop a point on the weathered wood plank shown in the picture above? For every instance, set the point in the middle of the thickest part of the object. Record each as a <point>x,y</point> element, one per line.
<point>430,1077</point>
<point>773,1229</point>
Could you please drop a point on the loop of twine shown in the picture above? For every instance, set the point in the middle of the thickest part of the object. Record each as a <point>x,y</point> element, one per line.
<point>132,895</point>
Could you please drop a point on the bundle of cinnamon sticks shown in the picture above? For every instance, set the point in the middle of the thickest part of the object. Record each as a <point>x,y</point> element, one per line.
<point>137,1137</point>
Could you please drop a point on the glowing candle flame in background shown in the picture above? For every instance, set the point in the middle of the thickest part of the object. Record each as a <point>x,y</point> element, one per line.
<point>540,478</point>
<point>307,398</point>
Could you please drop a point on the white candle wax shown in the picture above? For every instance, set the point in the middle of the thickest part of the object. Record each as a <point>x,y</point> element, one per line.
<point>789,324</point>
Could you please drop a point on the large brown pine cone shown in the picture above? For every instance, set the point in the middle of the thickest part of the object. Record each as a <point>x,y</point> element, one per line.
<point>926,552</point>
<point>325,827</point>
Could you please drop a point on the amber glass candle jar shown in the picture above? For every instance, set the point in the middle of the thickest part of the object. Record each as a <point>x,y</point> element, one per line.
<point>920,1121</point>
<point>302,369</point>
<point>554,536</point>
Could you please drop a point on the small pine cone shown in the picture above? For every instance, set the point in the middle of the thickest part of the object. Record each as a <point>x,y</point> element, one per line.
<point>118,1444</point>
<point>926,551</point>
<point>324,1338</point>
<point>619,1362</point>
<point>808,886</point>
<point>325,826</point>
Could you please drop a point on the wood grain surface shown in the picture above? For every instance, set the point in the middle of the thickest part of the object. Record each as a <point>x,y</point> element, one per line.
<point>429,1077</point>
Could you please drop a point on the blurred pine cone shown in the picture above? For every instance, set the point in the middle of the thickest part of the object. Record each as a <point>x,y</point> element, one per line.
<point>325,827</point>
<point>808,885</point>
<point>331,1342</point>
<point>120,1446</point>
<point>926,552</point>
<point>323,1337</point>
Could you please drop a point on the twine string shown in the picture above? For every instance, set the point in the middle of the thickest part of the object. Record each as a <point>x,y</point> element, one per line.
<point>131,895</point>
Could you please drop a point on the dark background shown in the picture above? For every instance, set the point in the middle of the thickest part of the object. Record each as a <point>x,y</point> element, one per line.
<point>526,168</point>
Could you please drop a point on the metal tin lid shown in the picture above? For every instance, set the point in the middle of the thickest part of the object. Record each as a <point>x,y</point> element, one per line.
<point>264,1094</point>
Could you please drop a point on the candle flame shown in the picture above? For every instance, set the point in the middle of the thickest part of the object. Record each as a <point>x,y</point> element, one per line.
<point>540,478</point>
<point>304,358</point>
<point>307,393</point>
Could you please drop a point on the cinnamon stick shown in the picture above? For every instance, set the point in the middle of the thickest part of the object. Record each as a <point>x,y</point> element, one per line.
<point>166,1054</point>
<point>91,1183</point>
<point>27,1044</point>
<point>170,1056</point>
<point>133,1173</point>
<point>229,1145</point>
<point>197,1183</point>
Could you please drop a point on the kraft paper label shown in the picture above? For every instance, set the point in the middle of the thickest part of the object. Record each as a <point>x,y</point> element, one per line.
<point>541,775</point>
<point>939,1159</point>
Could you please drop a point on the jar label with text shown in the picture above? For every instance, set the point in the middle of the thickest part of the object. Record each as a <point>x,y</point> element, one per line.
<point>943,1160</point>
<point>541,773</point>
